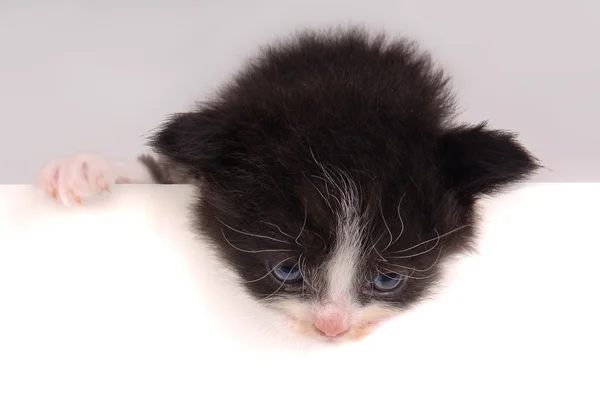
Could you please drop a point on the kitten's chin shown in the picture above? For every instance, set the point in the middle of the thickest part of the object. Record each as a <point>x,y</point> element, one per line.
<point>298,318</point>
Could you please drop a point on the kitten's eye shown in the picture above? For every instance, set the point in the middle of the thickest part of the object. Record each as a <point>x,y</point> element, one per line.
<point>286,273</point>
<point>387,282</point>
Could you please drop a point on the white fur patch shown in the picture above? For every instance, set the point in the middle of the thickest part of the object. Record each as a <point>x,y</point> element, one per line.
<point>343,263</point>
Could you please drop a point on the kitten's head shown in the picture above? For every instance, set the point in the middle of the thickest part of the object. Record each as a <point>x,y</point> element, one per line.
<point>333,181</point>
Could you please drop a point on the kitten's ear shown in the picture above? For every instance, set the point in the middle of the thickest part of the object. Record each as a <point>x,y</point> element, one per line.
<point>477,161</point>
<point>189,139</point>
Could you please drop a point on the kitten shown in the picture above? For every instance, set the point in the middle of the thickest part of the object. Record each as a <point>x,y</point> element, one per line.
<point>333,179</point>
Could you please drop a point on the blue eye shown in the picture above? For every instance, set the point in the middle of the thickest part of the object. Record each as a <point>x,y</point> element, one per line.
<point>387,282</point>
<point>286,273</point>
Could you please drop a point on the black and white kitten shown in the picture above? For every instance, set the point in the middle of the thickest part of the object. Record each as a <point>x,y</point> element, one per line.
<point>332,177</point>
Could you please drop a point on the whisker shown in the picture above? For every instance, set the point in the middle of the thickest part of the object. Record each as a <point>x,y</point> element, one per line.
<point>401,221</point>
<point>300,263</point>
<point>399,266</point>
<point>416,278</point>
<point>279,229</point>
<point>423,252</point>
<point>279,288</point>
<point>424,270</point>
<point>379,254</point>
<point>392,272</point>
<point>271,270</point>
<point>322,168</point>
<point>303,224</point>
<point>399,236</point>
<point>436,260</point>
<point>377,269</point>
<point>430,240</point>
<point>249,234</point>
<point>377,241</point>
<point>385,223</point>
<point>252,251</point>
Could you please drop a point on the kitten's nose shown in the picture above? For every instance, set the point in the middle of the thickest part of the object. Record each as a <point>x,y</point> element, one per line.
<point>331,322</point>
<point>330,327</point>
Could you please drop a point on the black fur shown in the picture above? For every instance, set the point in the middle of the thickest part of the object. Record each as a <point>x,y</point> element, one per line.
<point>377,111</point>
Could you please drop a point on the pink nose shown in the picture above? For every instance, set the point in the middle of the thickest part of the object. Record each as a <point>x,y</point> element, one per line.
<point>331,324</point>
<point>330,328</point>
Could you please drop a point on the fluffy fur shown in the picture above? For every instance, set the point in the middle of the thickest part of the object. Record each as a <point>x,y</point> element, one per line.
<point>335,155</point>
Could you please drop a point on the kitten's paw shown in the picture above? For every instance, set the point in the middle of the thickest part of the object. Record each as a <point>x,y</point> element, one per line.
<point>73,178</point>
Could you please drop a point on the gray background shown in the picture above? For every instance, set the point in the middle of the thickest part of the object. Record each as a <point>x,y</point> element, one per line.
<point>100,76</point>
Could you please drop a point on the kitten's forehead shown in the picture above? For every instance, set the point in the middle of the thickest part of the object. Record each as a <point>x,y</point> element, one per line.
<point>337,222</point>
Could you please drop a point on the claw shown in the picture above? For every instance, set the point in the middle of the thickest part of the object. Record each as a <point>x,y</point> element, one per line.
<point>54,193</point>
<point>78,200</point>
<point>106,188</point>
